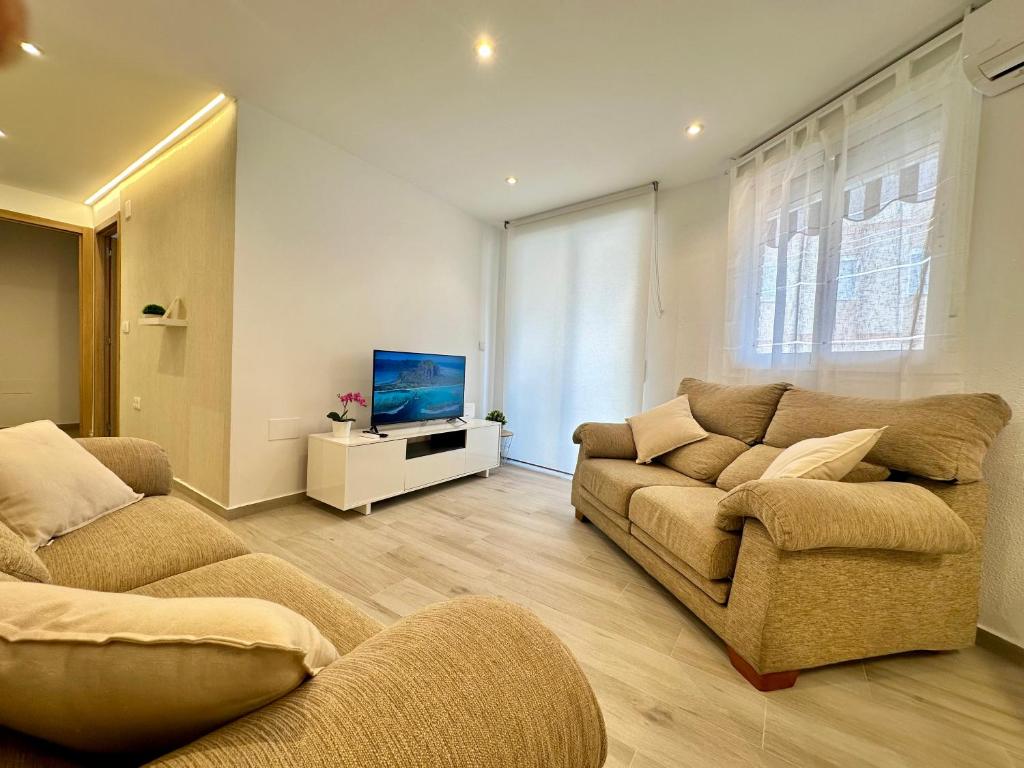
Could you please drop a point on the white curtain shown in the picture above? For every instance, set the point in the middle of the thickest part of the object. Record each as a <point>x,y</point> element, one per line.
<point>576,290</point>
<point>848,239</point>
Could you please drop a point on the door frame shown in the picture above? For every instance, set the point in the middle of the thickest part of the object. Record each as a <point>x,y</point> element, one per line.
<point>88,348</point>
<point>108,317</point>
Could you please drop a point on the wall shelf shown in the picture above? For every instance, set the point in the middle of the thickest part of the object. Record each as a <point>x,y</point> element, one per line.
<point>168,318</point>
<point>168,321</point>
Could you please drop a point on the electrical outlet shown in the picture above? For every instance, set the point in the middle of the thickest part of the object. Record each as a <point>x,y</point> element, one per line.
<point>137,403</point>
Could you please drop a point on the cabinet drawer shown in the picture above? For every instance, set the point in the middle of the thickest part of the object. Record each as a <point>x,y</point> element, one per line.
<point>425,470</point>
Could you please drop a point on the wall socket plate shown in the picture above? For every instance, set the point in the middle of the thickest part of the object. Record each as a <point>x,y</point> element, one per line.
<point>137,403</point>
<point>283,429</point>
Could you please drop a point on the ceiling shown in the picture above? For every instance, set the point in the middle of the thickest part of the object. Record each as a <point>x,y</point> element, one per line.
<point>582,97</point>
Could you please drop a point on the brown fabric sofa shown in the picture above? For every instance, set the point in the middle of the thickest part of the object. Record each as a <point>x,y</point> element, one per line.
<point>793,574</point>
<point>471,682</point>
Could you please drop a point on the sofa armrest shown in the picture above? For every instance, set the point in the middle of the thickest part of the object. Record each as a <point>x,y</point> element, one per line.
<point>141,464</point>
<point>816,514</point>
<point>473,682</point>
<point>605,441</point>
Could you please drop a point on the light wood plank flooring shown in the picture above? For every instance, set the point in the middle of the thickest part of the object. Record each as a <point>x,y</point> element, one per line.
<point>668,693</point>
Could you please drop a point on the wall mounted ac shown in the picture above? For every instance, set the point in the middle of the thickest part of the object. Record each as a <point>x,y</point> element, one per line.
<point>993,46</point>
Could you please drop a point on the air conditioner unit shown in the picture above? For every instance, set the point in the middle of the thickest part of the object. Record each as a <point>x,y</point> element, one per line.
<point>993,46</point>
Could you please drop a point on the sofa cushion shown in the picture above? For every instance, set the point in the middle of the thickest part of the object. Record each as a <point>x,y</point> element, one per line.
<point>752,464</point>
<point>739,411</point>
<point>614,481</point>
<point>683,521</point>
<point>716,589</point>
<point>944,437</point>
<point>706,459</point>
<point>270,578</point>
<point>18,560</point>
<point>142,464</point>
<point>664,428</point>
<point>105,672</point>
<point>156,537</point>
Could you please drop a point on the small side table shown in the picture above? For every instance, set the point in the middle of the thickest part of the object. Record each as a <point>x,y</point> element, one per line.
<point>506,443</point>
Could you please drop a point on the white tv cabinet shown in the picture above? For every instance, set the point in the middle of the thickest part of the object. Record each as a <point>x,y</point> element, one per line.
<point>355,471</point>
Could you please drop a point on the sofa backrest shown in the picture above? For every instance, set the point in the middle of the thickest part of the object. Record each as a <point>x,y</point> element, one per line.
<point>738,411</point>
<point>943,437</point>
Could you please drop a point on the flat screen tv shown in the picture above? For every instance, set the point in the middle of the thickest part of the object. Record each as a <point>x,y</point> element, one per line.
<point>412,386</point>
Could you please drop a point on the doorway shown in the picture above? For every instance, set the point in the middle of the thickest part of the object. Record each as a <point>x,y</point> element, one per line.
<point>98,318</point>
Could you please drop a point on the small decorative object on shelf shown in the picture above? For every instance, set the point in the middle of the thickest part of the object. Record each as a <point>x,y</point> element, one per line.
<point>173,316</point>
<point>497,416</point>
<point>341,424</point>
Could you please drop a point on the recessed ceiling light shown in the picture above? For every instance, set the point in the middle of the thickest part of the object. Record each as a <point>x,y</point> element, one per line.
<point>30,49</point>
<point>511,180</point>
<point>694,129</point>
<point>484,49</point>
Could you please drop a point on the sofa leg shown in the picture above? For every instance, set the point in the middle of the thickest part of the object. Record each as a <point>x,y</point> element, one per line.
<point>771,681</point>
<point>581,517</point>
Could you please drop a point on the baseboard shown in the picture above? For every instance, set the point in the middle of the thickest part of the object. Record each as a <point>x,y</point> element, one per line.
<point>241,510</point>
<point>996,643</point>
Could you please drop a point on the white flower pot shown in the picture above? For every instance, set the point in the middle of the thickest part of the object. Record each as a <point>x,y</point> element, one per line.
<point>341,428</point>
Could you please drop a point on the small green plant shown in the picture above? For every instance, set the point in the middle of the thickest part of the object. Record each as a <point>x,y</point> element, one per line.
<point>497,416</point>
<point>154,309</point>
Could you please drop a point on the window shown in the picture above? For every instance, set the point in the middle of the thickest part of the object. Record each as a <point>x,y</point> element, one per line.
<point>848,234</point>
<point>575,298</point>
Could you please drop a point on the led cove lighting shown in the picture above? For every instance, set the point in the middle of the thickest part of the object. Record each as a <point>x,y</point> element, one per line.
<point>694,129</point>
<point>150,154</point>
<point>30,49</point>
<point>511,180</point>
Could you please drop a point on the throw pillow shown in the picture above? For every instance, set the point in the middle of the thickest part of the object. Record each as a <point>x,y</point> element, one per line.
<point>50,485</point>
<point>109,672</point>
<point>824,458</point>
<point>664,428</point>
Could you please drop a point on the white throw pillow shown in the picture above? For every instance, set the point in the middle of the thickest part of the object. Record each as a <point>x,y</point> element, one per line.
<point>664,428</point>
<point>50,485</point>
<point>824,458</point>
<point>109,672</point>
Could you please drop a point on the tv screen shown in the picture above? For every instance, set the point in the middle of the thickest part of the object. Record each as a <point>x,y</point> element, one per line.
<point>412,386</point>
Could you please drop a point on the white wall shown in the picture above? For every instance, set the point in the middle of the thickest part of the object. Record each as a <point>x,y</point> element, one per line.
<point>995,314</point>
<point>38,325</point>
<point>693,225</point>
<point>692,231</point>
<point>44,206</point>
<point>333,258</point>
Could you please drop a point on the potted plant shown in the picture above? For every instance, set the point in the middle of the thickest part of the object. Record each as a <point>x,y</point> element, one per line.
<point>497,416</point>
<point>153,310</point>
<point>341,424</point>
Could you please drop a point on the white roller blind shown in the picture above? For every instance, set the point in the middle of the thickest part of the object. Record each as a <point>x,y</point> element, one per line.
<point>576,289</point>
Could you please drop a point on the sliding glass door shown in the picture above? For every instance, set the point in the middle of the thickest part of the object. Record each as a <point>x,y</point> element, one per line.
<point>576,294</point>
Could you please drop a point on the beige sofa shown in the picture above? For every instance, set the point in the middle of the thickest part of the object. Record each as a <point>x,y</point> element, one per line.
<point>471,682</point>
<point>793,574</point>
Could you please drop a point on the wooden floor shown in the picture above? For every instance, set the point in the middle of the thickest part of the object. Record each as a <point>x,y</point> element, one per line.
<point>668,693</point>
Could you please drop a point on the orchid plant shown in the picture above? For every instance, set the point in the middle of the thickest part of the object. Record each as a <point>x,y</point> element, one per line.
<point>346,401</point>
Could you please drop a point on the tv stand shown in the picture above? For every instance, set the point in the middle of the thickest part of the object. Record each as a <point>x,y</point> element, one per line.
<point>354,472</point>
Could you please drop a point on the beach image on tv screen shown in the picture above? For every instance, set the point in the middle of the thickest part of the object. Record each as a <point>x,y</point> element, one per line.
<point>410,386</point>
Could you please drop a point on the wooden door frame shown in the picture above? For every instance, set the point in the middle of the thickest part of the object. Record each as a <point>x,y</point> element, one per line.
<point>87,336</point>
<point>101,301</point>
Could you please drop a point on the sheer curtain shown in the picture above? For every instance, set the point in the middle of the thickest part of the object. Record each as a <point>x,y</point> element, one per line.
<point>848,238</point>
<point>576,292</point>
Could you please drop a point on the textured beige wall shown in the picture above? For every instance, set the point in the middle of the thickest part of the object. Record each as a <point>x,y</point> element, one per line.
<point>179,241</point>
<point>38,324</point>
